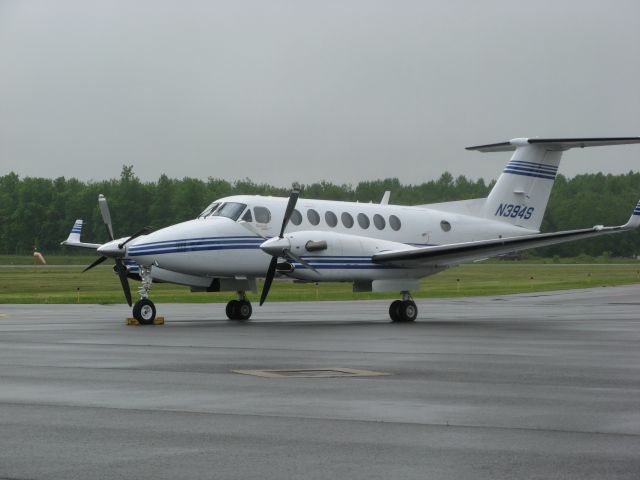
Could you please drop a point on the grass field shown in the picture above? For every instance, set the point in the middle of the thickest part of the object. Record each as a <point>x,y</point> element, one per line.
<point>63,282</point>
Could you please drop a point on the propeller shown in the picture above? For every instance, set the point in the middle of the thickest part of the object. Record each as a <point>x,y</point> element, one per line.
<point>142,231</point>
<point>121,269</point>
<point>279,246</point>
<point>113,250</point>
<point>252,229</point>
<point>271,272</point>
<point>106,215</point>
<point>95,264</point>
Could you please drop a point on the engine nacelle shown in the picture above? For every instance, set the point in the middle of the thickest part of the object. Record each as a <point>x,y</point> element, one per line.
<point>335,255</point>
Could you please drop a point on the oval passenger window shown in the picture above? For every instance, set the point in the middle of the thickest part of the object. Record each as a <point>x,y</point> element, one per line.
<point>296,217</point>
<point>378,221</point>
<point>262,214</point>
<point>347,219</point>
<point>394,222</point>
<point>331,219</point>
<point>313,217</point>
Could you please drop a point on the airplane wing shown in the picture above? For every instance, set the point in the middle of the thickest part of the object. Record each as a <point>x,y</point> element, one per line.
<point>456,253</point>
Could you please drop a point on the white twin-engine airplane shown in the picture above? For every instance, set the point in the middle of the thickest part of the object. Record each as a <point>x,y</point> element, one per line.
<point>377,247</point>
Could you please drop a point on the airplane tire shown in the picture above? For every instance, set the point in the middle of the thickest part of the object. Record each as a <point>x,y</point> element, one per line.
<point>409,311</point>
<point>232,309</point>
<point>395,311</point>
<point>243,310</point>
<point>144,311</point>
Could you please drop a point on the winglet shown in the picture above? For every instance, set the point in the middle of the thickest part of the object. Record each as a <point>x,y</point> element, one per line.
<point>634,220</point>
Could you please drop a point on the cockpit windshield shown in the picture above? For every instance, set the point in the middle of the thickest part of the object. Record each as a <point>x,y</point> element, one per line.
<point>209,210</point>
<point>230,210</point>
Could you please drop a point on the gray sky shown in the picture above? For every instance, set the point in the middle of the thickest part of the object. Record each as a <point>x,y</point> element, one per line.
<point>339,90</point>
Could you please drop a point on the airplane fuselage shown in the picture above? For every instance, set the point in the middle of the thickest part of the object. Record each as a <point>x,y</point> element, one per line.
<point>220,246</point>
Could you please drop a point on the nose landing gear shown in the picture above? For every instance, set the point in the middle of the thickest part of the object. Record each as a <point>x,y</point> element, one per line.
<point>144,311</point>
<point>403,311</point>
<point>240,310</point>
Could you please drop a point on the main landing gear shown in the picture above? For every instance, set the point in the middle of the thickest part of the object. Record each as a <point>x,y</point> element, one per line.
<point>404,310</point>
<point>144,311</point>
<point>239,309</point>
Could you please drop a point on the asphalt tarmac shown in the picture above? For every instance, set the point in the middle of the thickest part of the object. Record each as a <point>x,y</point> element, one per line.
<point>525,386</point>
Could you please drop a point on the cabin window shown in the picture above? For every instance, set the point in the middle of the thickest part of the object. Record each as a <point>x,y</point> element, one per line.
<point>331,219</point>
<point>263,215</point>
<point>395,222</point>
<point>247,216</point>
<point>296,217</point>
<point>313,217</point>
<point>347,219</point>
<point>230,210</point>
<point>363,221</point>
<point>378,221</point>
<point>445,226</point>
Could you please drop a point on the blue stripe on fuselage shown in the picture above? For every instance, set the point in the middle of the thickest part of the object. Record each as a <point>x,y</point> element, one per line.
<point>351,262</point>
<point>197,239</point>
<point>180,245</point>
<point>188,248</point>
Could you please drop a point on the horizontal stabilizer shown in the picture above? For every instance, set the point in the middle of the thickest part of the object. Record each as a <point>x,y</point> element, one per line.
<point>555,143</point>
<point>634,220</point>
<point>73,240</point>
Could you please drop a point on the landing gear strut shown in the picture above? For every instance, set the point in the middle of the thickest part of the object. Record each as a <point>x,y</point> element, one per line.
<point>239,309</point>
<point>404,310</point>
<point>144,311</point>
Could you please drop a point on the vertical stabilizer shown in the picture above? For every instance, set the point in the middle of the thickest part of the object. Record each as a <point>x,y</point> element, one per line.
<point>521,194</point>
<point>76,231</point>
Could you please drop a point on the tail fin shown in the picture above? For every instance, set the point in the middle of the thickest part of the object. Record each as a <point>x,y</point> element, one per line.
<point>634,220</point>
<point>521,194</point>
<point>76,231</point>
<point>74,237</point>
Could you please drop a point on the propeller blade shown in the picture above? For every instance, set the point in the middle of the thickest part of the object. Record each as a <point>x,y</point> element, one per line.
<point>268,279</point>
<point>106,215</point>
<point>124,281</point>
<point>251,228</point>
<point>298,259</point>
<point>95,264</point>
<point>142,231</point>
<point>293,199</point>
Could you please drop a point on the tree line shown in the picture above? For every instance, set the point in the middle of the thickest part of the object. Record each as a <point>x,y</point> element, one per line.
<point>39,212</point>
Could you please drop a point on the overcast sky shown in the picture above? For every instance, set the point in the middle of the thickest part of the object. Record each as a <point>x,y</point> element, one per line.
<point>340,90</point>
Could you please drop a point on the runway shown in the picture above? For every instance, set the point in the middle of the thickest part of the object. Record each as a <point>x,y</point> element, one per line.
<point>523,386</point>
